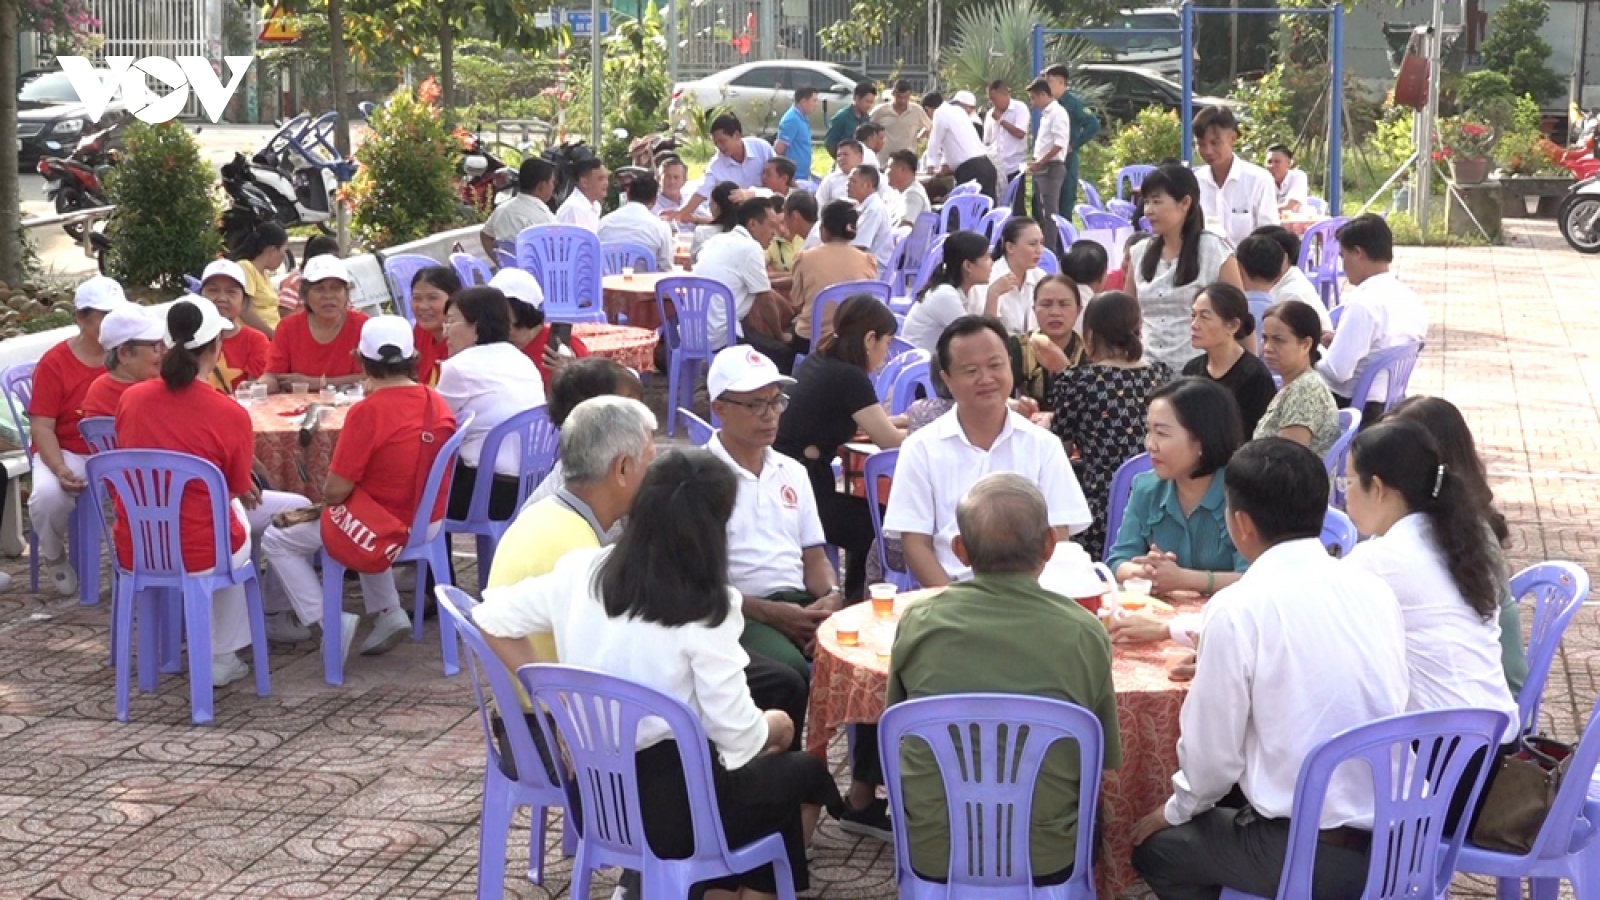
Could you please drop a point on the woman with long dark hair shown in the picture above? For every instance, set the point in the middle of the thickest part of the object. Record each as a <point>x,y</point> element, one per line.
<point>1449,428</point>
<point>430,292</point>
<point>952,291</point>
<point>1171,268</point>
<point>1220,324</point>
<point>656,609</point>
<point>262,250</point>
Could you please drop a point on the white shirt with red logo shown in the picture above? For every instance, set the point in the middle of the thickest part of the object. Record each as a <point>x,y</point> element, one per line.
<point>774,521</point>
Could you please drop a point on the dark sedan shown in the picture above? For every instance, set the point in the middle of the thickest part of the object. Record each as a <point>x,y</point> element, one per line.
<point>50,118</point>
<point>1130,89</point>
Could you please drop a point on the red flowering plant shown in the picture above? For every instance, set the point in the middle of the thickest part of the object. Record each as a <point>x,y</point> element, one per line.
<point>1466,137</point>
<point>405,187</point>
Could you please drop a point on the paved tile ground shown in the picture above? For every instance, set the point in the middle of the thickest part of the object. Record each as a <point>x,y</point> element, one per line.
<point>372,789</point>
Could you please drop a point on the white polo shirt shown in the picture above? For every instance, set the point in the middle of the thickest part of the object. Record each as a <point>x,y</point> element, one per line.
<point>579,210</point>
<point>875,230</point>
<point>1008,151</point>
<point>635,222</point>
<point>734,259</point>
<point>1055,130</point>
<point>1246,200</point>
<point>774,521</point>
<point>1294,187</point>
<point>938,465</point>
<point>953,140</point>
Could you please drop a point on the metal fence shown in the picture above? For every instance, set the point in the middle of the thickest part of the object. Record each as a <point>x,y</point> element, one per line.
<point>717,34</point>
<point>170,28</point>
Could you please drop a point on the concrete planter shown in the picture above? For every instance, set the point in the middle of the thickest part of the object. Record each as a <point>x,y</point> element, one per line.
<point>1532,196</point>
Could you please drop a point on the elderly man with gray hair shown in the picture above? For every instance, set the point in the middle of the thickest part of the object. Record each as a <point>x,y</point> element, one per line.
<point>1002,633</point>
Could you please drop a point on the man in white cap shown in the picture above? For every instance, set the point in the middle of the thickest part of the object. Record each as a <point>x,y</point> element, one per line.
<point>134,341</point>
<point>529,331</point>
<point>955,147</point>
<point>61,381</point>
<point>245,351</point>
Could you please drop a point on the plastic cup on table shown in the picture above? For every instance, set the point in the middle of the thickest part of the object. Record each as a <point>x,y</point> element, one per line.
<point>847,635</point>
<point>300,387</point>
<point>245,395</point>
<point>882,595</point>
<point>329,394</point>
<point>1139,587</point>
<point>627,273</point>
<point>258,393</point>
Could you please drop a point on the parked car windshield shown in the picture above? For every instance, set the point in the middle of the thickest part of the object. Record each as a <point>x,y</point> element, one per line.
<point>52,88</point>
<point>851,75</point>
<point>1138,39</point>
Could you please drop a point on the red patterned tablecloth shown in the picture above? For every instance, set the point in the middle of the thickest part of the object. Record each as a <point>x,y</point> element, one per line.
<point>634,296</point>
<point>624,344</point>
<point>849,686</point>
<point>290,467</point>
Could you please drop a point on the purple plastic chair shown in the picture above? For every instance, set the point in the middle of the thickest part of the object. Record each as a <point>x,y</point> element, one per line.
<point>989,749</point>
<point>898,345</point>
<point>832,296</point>
<point>1117,499</point>
<point>566,261</point>
<point>907,258</point>
<point>614,255</point>
<point>428,551</point>
<point>1066,233</point>
<point>597,717</point>
<point>503,794</point>
<point>1336,458</point>
<point>1260,302</point>
<point>1123,210</point>
<point>963,213</point>
<point>930,261</point>
<point>994,224</point>
<point>399,270</point>
<point>1416,761</point>
<point>1339,534</point>
<point>16,382</point>
<point>1094,219</point>
<point>151,484</point>
<point>1398,363</point>
<point>687,332</point>
<point>1565,849</point>
<point>1050,263</point>
<point>539,444</point>
<point>504,259</point>
<point>965,189</point>
<point>912,376</point>
<point>1130,179</point>
<point>882,465</point>
<point>1558,589</point>
<point>1319,258</point>
<point>192,284</point>
<point>471,270</point>
<point>99,432</point>
<point>1090,195</point>
<point>897,363</point>
<point>700,431</point>
<point>1008,197</point>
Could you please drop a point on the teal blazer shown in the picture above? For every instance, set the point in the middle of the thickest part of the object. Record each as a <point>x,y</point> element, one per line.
<point>1153,516</point>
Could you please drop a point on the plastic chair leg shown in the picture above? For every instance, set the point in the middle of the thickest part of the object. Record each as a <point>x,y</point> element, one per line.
<point>122,603</point>
<point>673,365</point>
<point>197,622</point>
<point>332,621</point>
<point>492,837</point>
<point>168,627</point>
<point>447,629</point>
<point>33,561</point>
<point>258,636</point>
<point>148,629</point>
<point>86,543</point>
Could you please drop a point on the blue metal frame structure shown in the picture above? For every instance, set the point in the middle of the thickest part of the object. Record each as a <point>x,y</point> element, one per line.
<point>1187,13</point>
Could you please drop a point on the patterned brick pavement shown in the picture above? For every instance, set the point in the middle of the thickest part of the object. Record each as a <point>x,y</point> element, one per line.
<point>372,789</point>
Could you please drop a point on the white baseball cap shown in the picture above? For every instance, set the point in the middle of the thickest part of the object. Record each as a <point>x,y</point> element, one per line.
<point>99,292</point>
<point>379,332</point>
<point>966,99</point>
<point>211,322</point>
<point>742,368</point>
<point>319,268</point>
<point>225,268</point>
<point>519,285</point>
<point>130,322</point>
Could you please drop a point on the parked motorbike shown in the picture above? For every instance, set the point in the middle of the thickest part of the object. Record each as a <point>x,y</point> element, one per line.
<point>1579,215</point>
<point>290,179</point>
<point>485,179</point>
<point>564,156</point>
<point>75,181</point>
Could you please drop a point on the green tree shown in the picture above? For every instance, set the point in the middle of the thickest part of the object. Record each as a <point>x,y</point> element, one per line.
<point>166,221</point>
<point>1514,48</point>
<point>995,42</point>
<point>405,190</point>
<point>871,21</point>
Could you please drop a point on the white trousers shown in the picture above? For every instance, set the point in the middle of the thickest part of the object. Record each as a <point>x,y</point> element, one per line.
<point>50,507</point>
<point>273,596</point>
<point>230,618</point>
<point>291,552</point>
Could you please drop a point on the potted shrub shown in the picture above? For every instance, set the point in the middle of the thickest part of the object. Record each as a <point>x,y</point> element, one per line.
<point>1467,143</point>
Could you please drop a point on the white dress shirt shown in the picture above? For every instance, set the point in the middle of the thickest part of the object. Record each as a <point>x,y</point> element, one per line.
<point>1380,313</point>
<point>938,465</point>
<point>746,174</point>
<point>933,313</point>
<point>1246,200</point>
<point>1294,187</point>
<point>914,202</point>
<point>734,259</point>
<point>1294,285</point>
<point>774,521</point>
<point>521,211</point>
<point>833,186</point>
<point>1296,651</point>
<point>953,140</point>
<point>493,382</point>
<point>696,663</point>
<point>666,205</point>
<point>1055,130</point>
<point>1452,653</point>
<point>635,222</point>
<point>875,231</point>
<point>579,210</point>
<point>1007,150</point>
<point>1015,310</point>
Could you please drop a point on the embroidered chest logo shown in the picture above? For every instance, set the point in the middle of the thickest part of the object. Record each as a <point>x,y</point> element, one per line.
<point>791,499</point>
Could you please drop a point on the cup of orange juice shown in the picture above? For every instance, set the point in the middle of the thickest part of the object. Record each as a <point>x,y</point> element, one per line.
<point>882,596</point>
<point>847,636</point>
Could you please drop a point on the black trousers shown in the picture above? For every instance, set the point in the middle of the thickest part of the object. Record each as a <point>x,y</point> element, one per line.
<point>980,169</point>
<point>781,354</point>
<point>1370,413</point>
<point>502,494</point>
<point>1237,848</point>
<point>774,685</point>
<point>847,523</point>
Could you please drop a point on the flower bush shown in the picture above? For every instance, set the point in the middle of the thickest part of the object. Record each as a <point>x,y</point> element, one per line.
<point>165,194</point>
<point>1466,137</point>
<point>1524,150</point>
<point>405,188</point>
<point>1152,138</point>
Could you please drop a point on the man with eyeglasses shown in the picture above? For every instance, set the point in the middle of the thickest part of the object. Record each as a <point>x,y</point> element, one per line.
<point>775,540</point>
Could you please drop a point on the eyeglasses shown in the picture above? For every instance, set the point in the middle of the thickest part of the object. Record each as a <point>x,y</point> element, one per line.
<point>762,407</point>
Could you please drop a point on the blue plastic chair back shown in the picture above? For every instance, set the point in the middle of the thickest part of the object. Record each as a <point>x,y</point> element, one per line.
<point>908,255</point>
<point>897,362</point>
<point>989,749</point>
<point>399,270</point>
<point>1121,490</point>
<point>1335,458</point>
<point>471,270</point>
<point>964,212</point>
<point>700,431</point>
<point>1123,210</point>
<point>150,485</point>
<point>17,384</point>
<point>993,225</point>
<point>99,432</point>
<point>830,297</point>
<point>566,261</point>
<point>614,255</point>
<point>1008,198</point>
<point>1130,179</point>
<point>687,327</point>
<point>1339,534</point>
<point>914,382</point>
<point>539,445</point>
<point>1090,195</point>
<point>1260,302</point>
<point>597,717</point>
<point>1050,263</point>
<point>1415,760</point>
<point>930,262</point>
<point>899,345</point>
<point>192,284</point>
<point>1559,590</point>
<point>881,465</point>
<point>1398,363</point>
<point>965,189</point>
<point>1065,231</point>
<point>504,259</point>
<point>1094,219</point>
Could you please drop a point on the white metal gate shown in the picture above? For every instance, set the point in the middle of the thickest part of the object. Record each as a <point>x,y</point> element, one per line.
<point>170,28</point>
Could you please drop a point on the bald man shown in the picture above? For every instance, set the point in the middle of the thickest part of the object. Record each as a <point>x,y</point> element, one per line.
<point>1002,633</point>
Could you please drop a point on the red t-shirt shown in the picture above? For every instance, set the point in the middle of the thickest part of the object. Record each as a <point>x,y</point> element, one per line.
<point>536,347</point>
<point>380,447</point>
<point>244,358</point>
<point>430,352</point>
<point>296,352</point>
<point>60,383</point>
<point>197,420</point>
<point>1116,280</point>
<point>104,393</point>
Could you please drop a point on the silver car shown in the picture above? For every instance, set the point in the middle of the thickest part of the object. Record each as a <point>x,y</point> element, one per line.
<point>761,92</point>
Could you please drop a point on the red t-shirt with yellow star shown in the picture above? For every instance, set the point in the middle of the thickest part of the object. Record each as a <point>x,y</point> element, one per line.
<point>430,352</point>
<point>244,358</point>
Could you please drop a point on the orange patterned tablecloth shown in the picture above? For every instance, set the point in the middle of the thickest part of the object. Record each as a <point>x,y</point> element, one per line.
<point>290,467</point>
<point>624,344</point>
<point>849,686</point>
<point>634,296</point>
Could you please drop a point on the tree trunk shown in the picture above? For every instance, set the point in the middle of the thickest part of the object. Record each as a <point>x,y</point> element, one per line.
<point>447,69</point>
<point>10,203</point>
<point>336,70</point>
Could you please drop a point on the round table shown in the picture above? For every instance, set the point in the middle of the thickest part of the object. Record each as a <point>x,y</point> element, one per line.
<point>623,344</point>
<point>849,685</point>
<point>1301,225</point>
<point>634,296</point>
<point>289,466</point>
